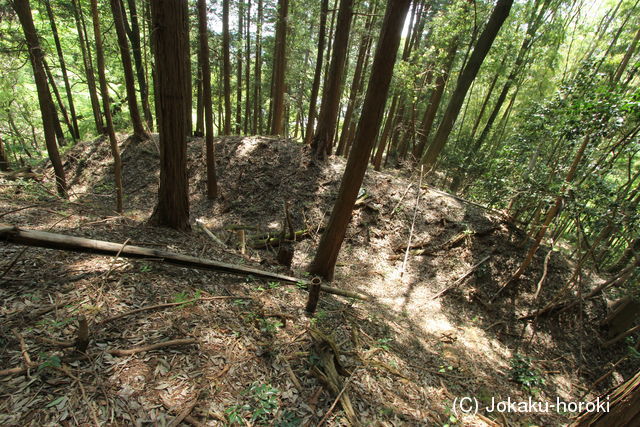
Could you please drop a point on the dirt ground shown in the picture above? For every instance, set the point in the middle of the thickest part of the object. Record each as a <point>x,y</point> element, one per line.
<point>430,335</point>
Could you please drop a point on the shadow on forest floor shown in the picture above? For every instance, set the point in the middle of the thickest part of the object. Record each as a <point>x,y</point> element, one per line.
<point>410,354</point>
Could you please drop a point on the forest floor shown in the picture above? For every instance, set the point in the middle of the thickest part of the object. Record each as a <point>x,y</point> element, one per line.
<point>409,352</point>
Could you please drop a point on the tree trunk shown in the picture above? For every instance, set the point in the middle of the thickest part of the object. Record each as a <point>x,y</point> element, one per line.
<point>435,98</point>
<point>238,123</point>
<point>279,69</point>
<point>247,72</point>
<point>627,56</point>
<point>358,80</point>
<point>324,261</point>
<point>467,76</point>
<point>65,116</point>
<point>323,139</point>
<point>4,159</point>
<point>88,66</point>
<point>377,160</point>
<point>168,17</point>
<point>315,86</point>
<point>36,56</point>
<point>551,214</point>
<point>257,85</point>
<point>139,131</point>
<point>199,105</point>
<point>188,86</point>
<point>136,49</point>
<point>226,68</point>
<point>117,164</point>
<point>212,185</point>
<point>75,134</point>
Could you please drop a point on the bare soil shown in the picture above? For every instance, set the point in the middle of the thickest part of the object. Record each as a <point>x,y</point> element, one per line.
<point>407,354</point>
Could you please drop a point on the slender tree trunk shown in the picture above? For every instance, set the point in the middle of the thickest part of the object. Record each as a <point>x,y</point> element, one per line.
<point>377,160</point>
<point>627,56</point>
<point>317,74</point>
<point>4,159</point>
<point>188,86</point>
<point>534,23</point>
<point>75,134</point>
<point>63,110</point>
<point>88,66</point>
<point>247,72</point>
<point>323,140</point>
<point>358,79</point>
<point>279,69</point>
<point>435,99</point>
<point>551,214</point>
<point>199,105</point>
<point>212,185</point>
<point>136,50</point>
<point>257,85</point>
<point>139,131</point>
<point>324,261</point>
<point>168,18</point>
<point>36,56</point>
<point>117,164</point>
<point>467,76</point>
<point>238,123</point>
<point>226,67</point>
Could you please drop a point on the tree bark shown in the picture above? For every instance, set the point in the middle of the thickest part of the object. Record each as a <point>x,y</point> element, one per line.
<point>551,214</point>
<point>435,98</point>
<point>324,261</point>
<point>317,74</point>
<point>115,151</point>
<point>212,185</point>
<point>4,159</point>
<point>139,131</point>
<point>188,86</point>
<point>36,56</point>
<point>322,143</point>
<point>247,72</point>
<point>257,85</point>
<point>226,68</point>
<point>75,134</point>
<point>627,56</point>
<point>168,17</point>
<point>467,76</point>
<point>382,143</point>
<point>357,81</point>
<point>238,124</point>
<point>88,66</point>
<point>63,110</point>
<point>279,69</point>
<point>136,50</point>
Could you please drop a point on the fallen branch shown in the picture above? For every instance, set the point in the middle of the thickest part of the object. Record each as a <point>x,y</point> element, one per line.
<point>184,413</point>
<point>170,343</point>
<point>45,239</point>
<point>621,336</point>
<point>208,232</point>
<point>462,278</point>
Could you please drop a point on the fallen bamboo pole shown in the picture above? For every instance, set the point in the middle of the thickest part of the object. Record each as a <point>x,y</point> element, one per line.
<point>43,239</point>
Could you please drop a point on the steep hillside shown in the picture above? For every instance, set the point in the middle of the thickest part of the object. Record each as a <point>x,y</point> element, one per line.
<point>433,331</point>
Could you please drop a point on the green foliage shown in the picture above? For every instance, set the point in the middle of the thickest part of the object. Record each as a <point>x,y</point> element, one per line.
<point>49,362</point>
<point>525,374</point>
<point>261,408</point>
<point>185,296</point>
